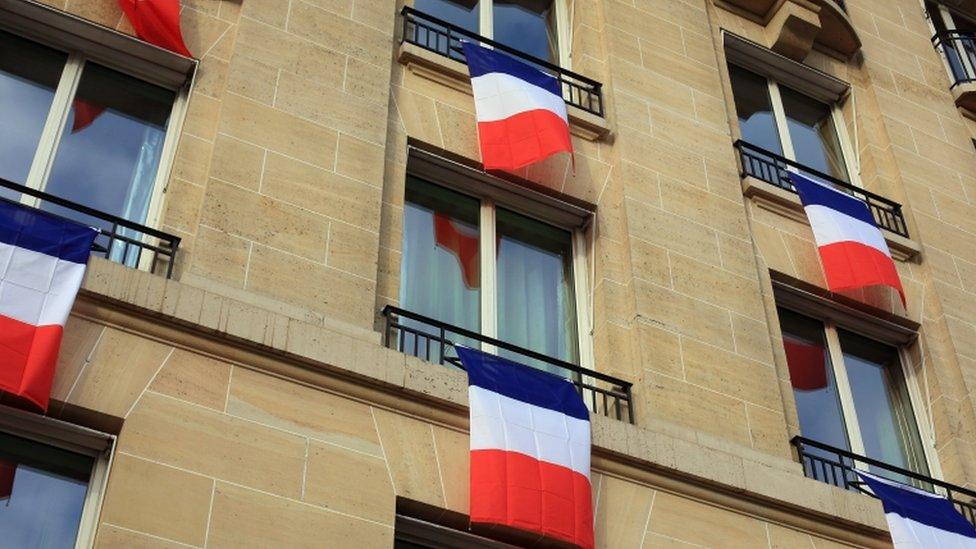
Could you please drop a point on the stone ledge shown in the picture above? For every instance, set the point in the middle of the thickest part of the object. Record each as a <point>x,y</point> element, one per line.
<point>787,204</point>
<point>661,454</point>
<point>454,74</point>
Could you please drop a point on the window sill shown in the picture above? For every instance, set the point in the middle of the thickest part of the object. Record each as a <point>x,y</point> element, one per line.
<point>787,204</point>
<point>454,74</point>
<point>964,94</point>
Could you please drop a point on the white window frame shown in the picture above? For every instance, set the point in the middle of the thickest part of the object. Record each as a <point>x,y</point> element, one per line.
<point>486,27</point>
<point>84,41</point>
<point>73,438</point>
<point>491,193</point>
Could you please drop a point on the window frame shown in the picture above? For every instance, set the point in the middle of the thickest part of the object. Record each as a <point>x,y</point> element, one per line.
<point>492,192</point>
<point>486,28</point>
<point>74,438</point>
<point>782,130</point>
<point>84,41</point>
<point>949,22</point>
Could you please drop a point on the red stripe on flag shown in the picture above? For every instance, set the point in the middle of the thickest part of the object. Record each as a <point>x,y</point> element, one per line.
<point>516,490</point>
<point>808,369</point>
<point>28,356</point>
<point>523,139</point>
<point>157,22</point>
<point>85,113</point>
<point>7,472</point>
<point>464,247</point>
<point>849,265</point>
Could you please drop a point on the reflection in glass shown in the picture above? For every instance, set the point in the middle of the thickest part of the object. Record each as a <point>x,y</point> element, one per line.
<point>812,376</point>
<point>110,147</point>
<point>440,271</point>
<point>29,74</point>
<point>42,493</point>
<point>881,401</point>
<point>529,26</point>
<point>463,13</point>
<point>812,132</point>
<point>754,109</point>
<point>536,303</point>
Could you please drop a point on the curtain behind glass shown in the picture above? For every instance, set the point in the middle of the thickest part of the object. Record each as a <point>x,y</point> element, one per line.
<point>754,109</point>
<point>812,131</point>
<point>29,74</point>
<point>881,400</point>
<point>440,271</point>
<point>536,297</point>
<point>814,386</point>
<point>42,494</point>
<point>528,26</point>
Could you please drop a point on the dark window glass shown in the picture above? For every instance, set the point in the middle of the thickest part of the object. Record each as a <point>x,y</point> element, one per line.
<point>536,298</point>
<point>42,493</point>
<point>440,270</point>
<point>754,109</point>
<point>463,13</point>
<point>29,74</point>
<point>528,26</point>
<point>813,134</point>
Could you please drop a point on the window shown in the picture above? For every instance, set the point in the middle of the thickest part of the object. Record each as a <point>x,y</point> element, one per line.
<point>525,295</point>
<point>530,26</point>
<point>956,34</point>
<point>415,533</point>
<point>52,476</point>
<point>788,123</point>
<point>851,392</point>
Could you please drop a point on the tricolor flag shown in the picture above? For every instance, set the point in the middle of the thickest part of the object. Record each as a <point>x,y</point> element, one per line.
<point>157,22</point>
<point>853,251</point>
<point>530,449</point>
<point>918,519</point>
<point>461,241</point>
<point>42,263</point>
<point>520,110</point>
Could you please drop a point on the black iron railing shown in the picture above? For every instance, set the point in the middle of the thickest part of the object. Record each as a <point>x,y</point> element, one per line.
<point>433,340</point>
<point>774,169</point>
<point>959,49</point>
<point>836,466</point>
<point>443,38</point>
<point>119,240</point>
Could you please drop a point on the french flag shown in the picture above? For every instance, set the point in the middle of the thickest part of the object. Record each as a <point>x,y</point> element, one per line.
<point>520,110</point>
<point>530,450</point>
<point>42,263</point>
<point>853,251</point>
<point>919,519</point>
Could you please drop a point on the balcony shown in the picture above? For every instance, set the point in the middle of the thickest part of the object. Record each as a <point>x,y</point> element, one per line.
<point>119,240</point>
<point>772,168</point>
<point>836,466</point>
<point>958,48</point>
<point>432,340</point>
<point>434,46</point>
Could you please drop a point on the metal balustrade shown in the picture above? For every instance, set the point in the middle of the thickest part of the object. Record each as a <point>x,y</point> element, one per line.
<point>774,169</point>
<point>959,49</point>
<point>443,38</point>
<point>836,466</point>
<point>119,240</point>
<point>433,340</point>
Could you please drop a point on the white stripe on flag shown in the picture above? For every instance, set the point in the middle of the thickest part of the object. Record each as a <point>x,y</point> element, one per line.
<point>37,288</point>
<point>909,534</point>
<point>500,95</point>
<point>499,422</point>
<point>830,226</point>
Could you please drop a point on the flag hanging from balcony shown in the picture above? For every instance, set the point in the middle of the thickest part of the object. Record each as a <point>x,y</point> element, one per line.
<point>42,262</point>
<point>530,449</point>
<point>918,519</point>
<point>520,110</point>
<point>852,249</point>
<point>157,22</point>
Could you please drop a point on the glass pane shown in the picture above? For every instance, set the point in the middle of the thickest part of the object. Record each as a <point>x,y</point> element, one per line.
<point>29,74</point>
<point>754,109</point>
<point>812,377</point>
<point>813,134</point>
<point>110,148</point>
<point>42,493</point>
<point>536,298</point>
<point>884,412</point>
<point>528,26</point>
<point>440,270</point>
<point>463,13</point>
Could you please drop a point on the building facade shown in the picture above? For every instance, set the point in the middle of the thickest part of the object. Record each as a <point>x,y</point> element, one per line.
<point>296,230</point>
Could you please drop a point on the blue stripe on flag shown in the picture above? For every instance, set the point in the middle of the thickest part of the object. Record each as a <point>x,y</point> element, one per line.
<point>924,508</point>
<point>523,383</point>
<point>812,192</point>
<point>45,233</point>
<point>482,60</point>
